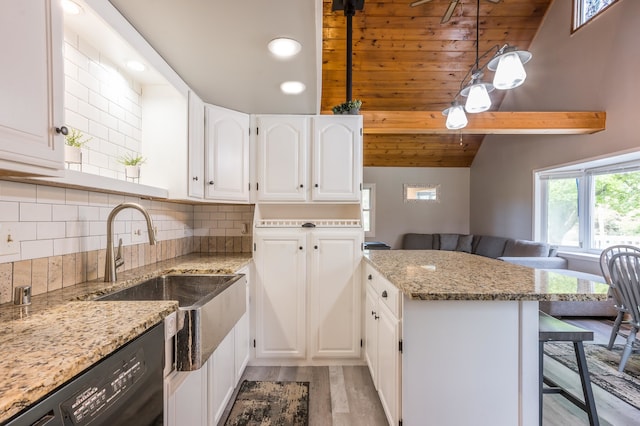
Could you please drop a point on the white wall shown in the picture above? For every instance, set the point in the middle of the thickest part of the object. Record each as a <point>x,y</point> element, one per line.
<point>596,68</point>
<point>394,217</point>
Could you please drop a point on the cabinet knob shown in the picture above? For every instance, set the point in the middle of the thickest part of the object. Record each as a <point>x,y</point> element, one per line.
<point>384,294</point>
<point>370,277</point>
<point>375,317</point>
<point>62,130</point>
<point>373,313</point>
<point>315,247</point>
<point>316,185</point>
<point>195,178</point>
<point>301,186</point>
<point>300,247</point>
<point>210,182</point>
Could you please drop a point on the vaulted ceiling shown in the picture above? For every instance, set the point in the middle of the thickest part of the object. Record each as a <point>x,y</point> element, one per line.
<point>405,59</point>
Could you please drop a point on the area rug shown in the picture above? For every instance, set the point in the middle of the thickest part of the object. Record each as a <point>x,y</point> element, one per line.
<point>603,368</point>
<point>270,403</point>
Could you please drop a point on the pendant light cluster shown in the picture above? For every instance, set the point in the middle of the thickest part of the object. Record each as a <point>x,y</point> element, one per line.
<point>507,64</point>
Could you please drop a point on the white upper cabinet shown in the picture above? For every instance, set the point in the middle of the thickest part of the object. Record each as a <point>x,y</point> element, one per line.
<point>227,153</point>
<point>297,165</point>
<point>337,158</point>
<point>196,146</point>
<point>31,84</point>
<point>282,157</point>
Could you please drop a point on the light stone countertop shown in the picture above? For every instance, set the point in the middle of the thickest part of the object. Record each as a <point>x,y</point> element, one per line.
<point>63,332</point>
<point>449,275</point>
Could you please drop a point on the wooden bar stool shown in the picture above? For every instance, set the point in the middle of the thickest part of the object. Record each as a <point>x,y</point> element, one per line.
<point>555,330</point>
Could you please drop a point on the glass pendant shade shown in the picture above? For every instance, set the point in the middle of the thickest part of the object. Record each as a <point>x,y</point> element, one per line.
<point>456,118</point>
<point>509,73</point>
<point>478,99</point>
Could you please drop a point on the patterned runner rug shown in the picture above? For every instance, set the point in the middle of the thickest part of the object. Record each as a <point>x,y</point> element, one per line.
<point>270,403</point>
<point>603,368</point>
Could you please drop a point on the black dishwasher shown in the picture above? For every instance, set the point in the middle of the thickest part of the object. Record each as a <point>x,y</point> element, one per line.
<point>125,388</point>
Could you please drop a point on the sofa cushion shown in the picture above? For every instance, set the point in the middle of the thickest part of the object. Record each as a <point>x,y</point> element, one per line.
<point>523,248</point>
<point>489,246</point>
<point>419,242</point>
<point>464,243</point>
<point>448,241</point>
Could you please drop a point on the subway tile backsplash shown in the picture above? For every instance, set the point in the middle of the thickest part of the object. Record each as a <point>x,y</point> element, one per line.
<point>60,234</point>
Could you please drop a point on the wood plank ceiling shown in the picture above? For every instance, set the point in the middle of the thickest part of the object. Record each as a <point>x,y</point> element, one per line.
<point>405,59</point>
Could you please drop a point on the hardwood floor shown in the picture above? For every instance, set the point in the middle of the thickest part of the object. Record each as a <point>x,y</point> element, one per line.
<point>345,396</point>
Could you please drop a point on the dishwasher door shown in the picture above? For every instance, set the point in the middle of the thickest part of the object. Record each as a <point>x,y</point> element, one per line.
<point>125,388</point>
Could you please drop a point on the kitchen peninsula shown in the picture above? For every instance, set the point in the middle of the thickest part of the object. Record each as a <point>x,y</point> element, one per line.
<point>469,333</point>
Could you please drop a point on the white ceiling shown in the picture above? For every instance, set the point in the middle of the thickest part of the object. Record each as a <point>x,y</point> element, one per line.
<point>219,48</point>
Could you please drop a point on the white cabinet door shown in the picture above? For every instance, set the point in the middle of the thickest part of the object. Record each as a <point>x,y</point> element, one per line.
<point>242,332</point>
<point>196,146</point>
<point>337,158</point>
<point>371,332</point>
<point>186,398</point>
<point>221,378</point>
<point>280,284</point>
<point>227,154</point>
<point>31,84</point>
<point>335,285</point>
<point>282,157</point>
<point>389,357</point>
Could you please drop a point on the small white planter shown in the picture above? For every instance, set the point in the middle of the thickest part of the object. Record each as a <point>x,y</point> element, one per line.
<point>132,172</point>
<point>72,154</point>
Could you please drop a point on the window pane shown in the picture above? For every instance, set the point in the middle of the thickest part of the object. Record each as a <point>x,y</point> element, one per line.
<point>366,199</point>
<point>562,212</point>
<point>616,213</point>
<point>366,218</point>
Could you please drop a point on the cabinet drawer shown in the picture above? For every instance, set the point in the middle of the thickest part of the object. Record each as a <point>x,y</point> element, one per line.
<point>390,295</point>
<point>372,278</point>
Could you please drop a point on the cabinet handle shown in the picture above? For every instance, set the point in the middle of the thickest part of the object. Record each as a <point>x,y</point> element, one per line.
<point>373,313</point>
<point>195,178</point>
<point>370,277</point>
<point>63,130</point>
<point>210,182</point>
<point>384,294</point>
<point>375,317</point>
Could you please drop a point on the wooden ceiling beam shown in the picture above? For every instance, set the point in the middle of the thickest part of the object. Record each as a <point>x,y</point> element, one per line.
<point>487,123</point>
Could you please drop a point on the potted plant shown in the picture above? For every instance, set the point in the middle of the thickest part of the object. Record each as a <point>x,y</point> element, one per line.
<point>73,144</point>
<point>350,107</point>
<point>132,165</point>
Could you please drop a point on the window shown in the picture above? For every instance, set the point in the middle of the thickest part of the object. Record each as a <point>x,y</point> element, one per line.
<point>421,192</point>
<point>585,10</point>
<point>590,208</point>
<point>368,209</point>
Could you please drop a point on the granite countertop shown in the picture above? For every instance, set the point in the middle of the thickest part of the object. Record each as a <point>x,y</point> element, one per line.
<point>449,275</point>
<point>63,332</point>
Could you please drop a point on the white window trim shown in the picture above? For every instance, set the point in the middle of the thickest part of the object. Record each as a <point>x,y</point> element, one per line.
<point>372,209</point>
<point>615,162</point>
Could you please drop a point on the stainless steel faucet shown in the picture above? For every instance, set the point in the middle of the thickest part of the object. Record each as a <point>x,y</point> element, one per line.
<point>113,262</point>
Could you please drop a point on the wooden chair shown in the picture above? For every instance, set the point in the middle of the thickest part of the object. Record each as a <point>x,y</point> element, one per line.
<point>625,278</point>
<point>605,257</point>
<point>554,330</point>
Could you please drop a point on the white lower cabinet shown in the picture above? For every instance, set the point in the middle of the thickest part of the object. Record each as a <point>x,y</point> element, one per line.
<point>186,398</point>
<point>383,341</point>
<point>221,378</point>
<point>307,294</point>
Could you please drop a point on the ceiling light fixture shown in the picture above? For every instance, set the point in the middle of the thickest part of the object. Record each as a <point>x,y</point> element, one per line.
<point>292,87</point>
<point>284,47</point>
<point>507,63</point>
<point>70,7</point>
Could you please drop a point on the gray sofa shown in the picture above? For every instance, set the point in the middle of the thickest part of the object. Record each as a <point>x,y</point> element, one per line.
<point>522,252</point>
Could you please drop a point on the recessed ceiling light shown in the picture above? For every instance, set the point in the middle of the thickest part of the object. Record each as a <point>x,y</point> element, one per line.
<point>136,66</point>
<point>284,47</point>
<point>70,7</point>
<point>292,87</point>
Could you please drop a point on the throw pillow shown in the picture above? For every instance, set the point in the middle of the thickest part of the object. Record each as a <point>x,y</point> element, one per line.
<point>523,248</point>
<point>464,243</point>
<point>448,241</point>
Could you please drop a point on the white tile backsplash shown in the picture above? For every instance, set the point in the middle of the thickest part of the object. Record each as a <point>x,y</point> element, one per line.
<point>32,212</point>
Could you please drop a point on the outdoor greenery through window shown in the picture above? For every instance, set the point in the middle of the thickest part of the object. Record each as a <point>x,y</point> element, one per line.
<point>585,10</point>
<point>590,209</point>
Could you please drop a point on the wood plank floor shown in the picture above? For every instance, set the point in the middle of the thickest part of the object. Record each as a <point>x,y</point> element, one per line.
<point>345,396</point>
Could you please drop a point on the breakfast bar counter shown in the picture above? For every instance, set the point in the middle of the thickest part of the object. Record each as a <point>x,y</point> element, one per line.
<point>470,334</point>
